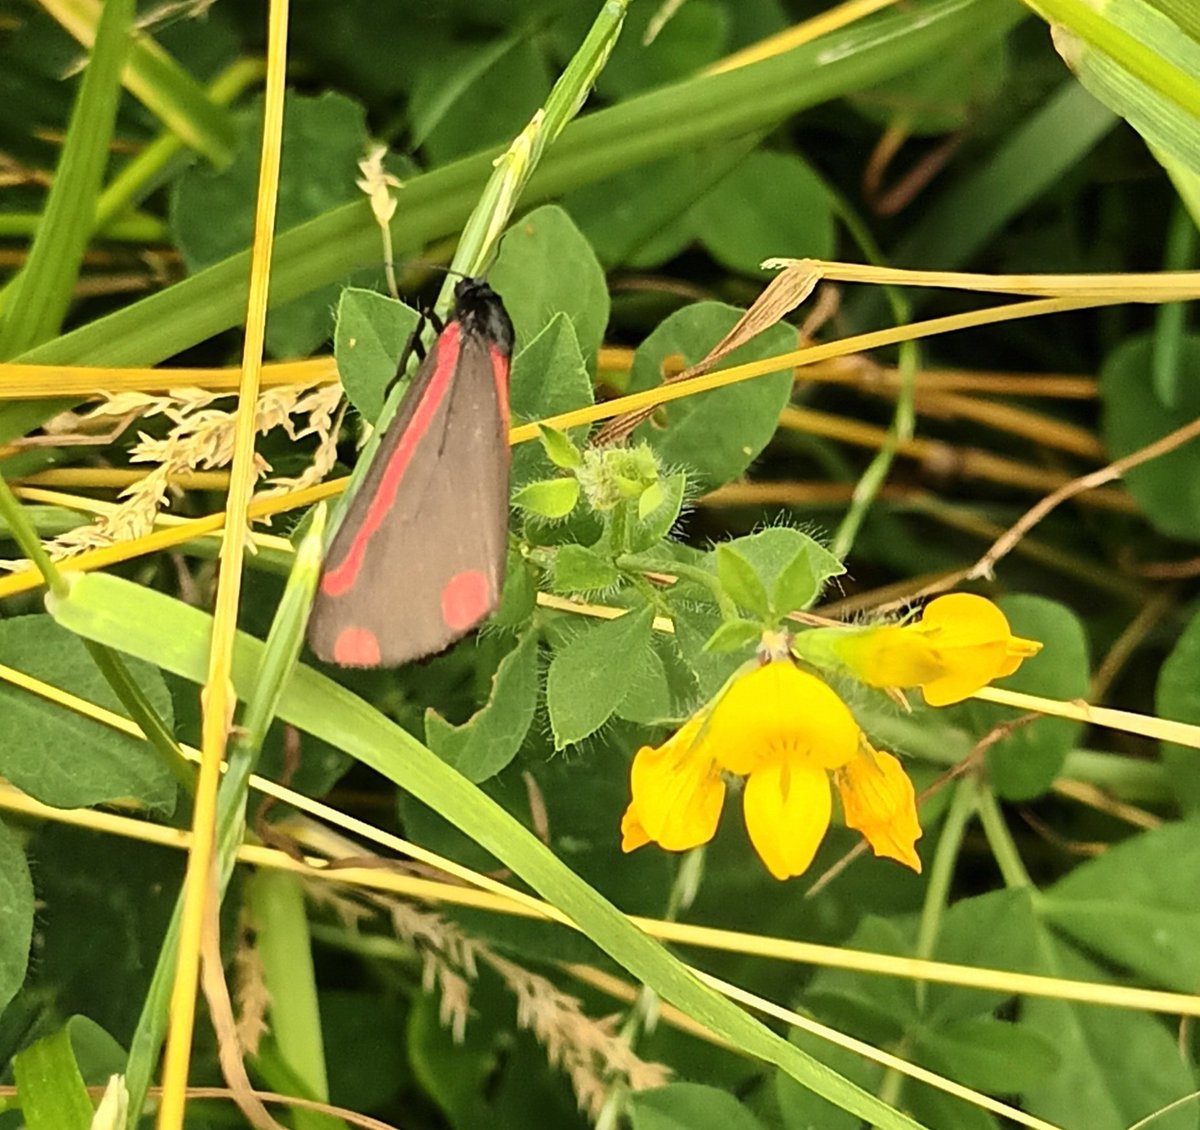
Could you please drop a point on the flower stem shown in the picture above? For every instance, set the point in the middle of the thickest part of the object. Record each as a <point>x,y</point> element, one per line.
<point>963,805</point>
<point>1001,842</point>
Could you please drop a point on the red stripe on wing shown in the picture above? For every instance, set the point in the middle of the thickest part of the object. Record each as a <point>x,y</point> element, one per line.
<point>340,578</point>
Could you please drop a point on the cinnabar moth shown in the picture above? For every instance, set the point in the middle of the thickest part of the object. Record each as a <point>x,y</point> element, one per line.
<point>418,560</point>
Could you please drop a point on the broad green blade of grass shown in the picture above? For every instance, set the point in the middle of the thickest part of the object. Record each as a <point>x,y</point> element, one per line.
<point>159,83</point>
<point>1166,125</point>
<point>173,635</point>
<point>1139,39</point>
<point>670,120</point>
<point>35,302</point>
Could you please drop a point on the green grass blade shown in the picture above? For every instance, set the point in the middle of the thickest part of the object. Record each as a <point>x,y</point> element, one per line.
<point>159,83</point>
<point>35,302</point>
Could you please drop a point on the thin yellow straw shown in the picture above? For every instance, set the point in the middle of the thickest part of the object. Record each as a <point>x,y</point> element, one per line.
<point>218,698</point>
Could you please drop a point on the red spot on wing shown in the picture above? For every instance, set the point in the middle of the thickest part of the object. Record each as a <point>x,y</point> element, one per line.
<point>356,647</point>
<point>340,578</point>
<point>466,599</point>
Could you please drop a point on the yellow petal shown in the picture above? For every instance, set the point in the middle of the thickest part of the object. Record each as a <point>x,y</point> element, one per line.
<point>787,808</point>
<point>960,644</point>
<point>633,835</point>
<point>778,712</point>
<point>972,639</point>
<point>677,794</point>
<point>878,801</point>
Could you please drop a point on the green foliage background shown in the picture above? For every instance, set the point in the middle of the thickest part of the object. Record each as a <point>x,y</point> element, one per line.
<point>643,226</point>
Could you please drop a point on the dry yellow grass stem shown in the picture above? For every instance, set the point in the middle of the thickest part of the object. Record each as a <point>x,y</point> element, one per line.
<point>885,1059</point>
<point>1155,286</point>
<point>806,32</point>
<point>113,478</point>
<point>19,381</point>
<point>860,371</point>
<point>1145,725</point>
<point>217,697</point>
<point>943,458</point>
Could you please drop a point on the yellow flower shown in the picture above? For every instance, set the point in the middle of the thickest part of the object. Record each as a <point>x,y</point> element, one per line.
<point>960,644</point>
<point>878,800</point>
<point>785,731</point>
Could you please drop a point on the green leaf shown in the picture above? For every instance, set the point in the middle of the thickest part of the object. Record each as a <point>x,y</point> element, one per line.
<point>212,213</point>
<point>656,524</point>
<point>35,302</point>
<point>50,1087</point>
<point>548,498</point>
<point>559,448</point>
<point>452,1072</point>
<point>1025,763</point>
<point>518,599</point>
<point>1052,140</point>
<point>1137,905</point>
<point>650,500</point>
<point>718,434</point>
<point>548,376</point>
<point>770,204</point>
<point>1166,488</point>
<point>995,930</point>
<point>741,582</point>
<point>800,581</point>
<point>661,686</point>
<point>59,756</point>
<point>490,739</point>
<point>545,267</point>
<point>689,1106</point>
<point>578,569</point>
<point>1085,1091</point>
<point>695,624</point>
<point>995,1056</point>
<point>801,1108</point>
<point>274,901</point>
<point>1178,697</point>
<point>368,341</point>
<point>16,915</point>
<point>642,218</point>
<point>773,552</point>
<point>588,677</point>
<point>121,902</point>
<point>734,635</point>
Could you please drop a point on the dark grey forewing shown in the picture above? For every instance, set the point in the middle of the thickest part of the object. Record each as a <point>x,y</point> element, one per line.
<point>450,515</point>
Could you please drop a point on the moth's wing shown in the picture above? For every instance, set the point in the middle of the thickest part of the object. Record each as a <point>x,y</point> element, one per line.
<point>418,560</point>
